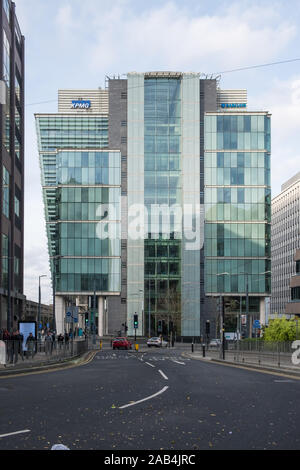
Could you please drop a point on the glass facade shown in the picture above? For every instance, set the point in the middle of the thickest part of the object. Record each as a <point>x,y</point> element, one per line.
<point>237,203</point>
<point>6,78</point>
<point>82,193</point>
<point>5,186</point>
<point>163,185</point>
<point>5,256</point>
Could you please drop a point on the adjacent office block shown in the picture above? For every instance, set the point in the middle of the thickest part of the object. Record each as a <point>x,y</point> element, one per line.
<point>238,210</point>
<point>81,180</point>
<point>285,242</point>
<point>12,305</point>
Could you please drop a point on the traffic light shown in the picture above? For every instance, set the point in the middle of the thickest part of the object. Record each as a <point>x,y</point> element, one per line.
<point>135,321</point>
<point>207,327</point>
<point>86,317</point>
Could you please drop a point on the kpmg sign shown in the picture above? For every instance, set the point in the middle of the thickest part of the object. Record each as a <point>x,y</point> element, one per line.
<point>233,105</point>
<point>80,104</point>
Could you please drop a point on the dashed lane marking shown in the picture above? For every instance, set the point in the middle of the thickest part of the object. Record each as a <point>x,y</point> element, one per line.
<point>163,375</point>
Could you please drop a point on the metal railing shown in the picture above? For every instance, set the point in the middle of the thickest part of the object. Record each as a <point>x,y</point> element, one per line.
<point>40,351</point>
<point>257,352</point>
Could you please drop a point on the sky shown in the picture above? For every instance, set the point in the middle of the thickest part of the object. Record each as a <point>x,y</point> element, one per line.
<point>75,44</point>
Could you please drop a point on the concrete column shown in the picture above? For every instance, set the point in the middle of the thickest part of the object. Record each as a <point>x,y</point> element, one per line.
<point>60,314</point>
<point>100,316</point>
<point>262,311</point>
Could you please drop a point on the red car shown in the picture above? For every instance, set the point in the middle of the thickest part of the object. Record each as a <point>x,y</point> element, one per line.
<point>121,343</point>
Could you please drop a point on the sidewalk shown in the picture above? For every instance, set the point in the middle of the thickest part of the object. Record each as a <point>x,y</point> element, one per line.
<point>249,360</point>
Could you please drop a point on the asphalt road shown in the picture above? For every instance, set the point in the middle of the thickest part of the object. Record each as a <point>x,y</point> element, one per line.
<point>149,401</point>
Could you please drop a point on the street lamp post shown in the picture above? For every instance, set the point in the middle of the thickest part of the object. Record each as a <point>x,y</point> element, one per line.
<point>39,309</point>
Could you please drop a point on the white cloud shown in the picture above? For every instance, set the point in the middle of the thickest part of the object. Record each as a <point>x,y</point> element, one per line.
<point>76,43</point>
<point>283,100</point>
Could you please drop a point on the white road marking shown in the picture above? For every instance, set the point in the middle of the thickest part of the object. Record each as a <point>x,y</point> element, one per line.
<point>164,376</point>
<point>151,365</point>
<point>177,362</point>
<point>14,433</point>
<point>144,399</point>
<point>284,381</point>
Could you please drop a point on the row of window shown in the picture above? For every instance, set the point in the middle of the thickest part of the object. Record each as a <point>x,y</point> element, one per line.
<point>89,247</point>
<point>237,231</point>
<point>237,195</point>
<point>89,176</point>
<point>237,159</point>
<point>162,250</point>
<point>237,123</point>
<point>237,212</point>
<point>89,195</point>
<point>237,177</point>
<point>88,211</point>
<point>88,283</point>
<point>162,144</point>
<point>90,266</point>
<point>89,160</point>
<point>162,268</point>
<point>237,284</point>
<point>236,267</point>
<point>161,162</point>
<point>237,140</point>
<point>233,247</point>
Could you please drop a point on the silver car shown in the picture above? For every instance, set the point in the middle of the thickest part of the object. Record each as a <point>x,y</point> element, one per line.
<point>157,342</point>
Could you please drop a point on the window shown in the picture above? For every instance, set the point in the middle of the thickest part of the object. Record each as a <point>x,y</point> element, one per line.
<point>4,261</point>
<point>6,7</point>
<point>17,206</point>
<point>5,183</point>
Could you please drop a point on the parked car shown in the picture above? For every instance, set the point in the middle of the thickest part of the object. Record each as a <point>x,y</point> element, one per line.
<point>157,342</point>
<point>121,343</point>
<point>214,343</point>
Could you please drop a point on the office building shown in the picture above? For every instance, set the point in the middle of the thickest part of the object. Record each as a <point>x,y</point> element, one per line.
<point>285,243</point>
<point>81,178</point>
<point>11,167</point>
<point>160,131</point>
<point>238,211</point>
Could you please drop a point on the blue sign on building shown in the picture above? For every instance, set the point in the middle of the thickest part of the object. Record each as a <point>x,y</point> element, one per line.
<point>233,105</point>
<point>81,104</point>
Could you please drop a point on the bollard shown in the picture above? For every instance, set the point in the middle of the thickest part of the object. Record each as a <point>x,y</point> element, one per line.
<point>203,350</point>
<point>192,347</point>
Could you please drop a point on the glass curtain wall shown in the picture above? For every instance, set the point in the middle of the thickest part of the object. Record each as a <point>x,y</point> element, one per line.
<point>82,195</point>
<point>237,203</point>
<point>163,186</point>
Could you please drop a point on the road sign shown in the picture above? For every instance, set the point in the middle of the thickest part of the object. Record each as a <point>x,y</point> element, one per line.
<point>69,314</point>
<point>256,324</point>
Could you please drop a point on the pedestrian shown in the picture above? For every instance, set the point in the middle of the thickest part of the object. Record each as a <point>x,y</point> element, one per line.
<point>53,340</point>
<point>60,341</point>
<point>67,339</point>
<point>9,346</point>
<point>30,344</point>
<point>15,345</point>
<point>48,344</point>
<point>21,340</point>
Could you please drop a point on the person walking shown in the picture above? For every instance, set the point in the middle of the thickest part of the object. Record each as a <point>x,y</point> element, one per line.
<point>48,344</point>
<point>60,341</point>
<point>21,340</point>
<point>30,344</point>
